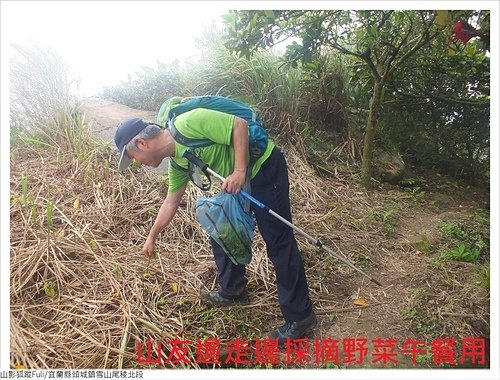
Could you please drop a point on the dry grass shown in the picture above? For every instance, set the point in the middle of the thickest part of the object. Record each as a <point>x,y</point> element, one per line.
<point>83,295</point>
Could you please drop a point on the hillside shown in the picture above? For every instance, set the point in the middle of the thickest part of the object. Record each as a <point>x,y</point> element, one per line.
<point>82,294</point>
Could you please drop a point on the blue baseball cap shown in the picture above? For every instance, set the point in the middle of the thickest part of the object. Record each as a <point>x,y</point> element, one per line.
<point>125,132</point>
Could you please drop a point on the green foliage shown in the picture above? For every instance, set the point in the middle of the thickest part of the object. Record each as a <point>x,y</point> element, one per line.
<point>484,277</point>
<point>411,313</point>
<point>117,271</point>
<point>325,85</point>
<point>426,358</point>
<point>468,239</point>
<point>150,87</point>
<point>387,220</point>
<point>423,321</point>
<point>452,230</point>
<point>24,188</point>
<point>50,289</point>
<point>443,96</point>
<point>462,253</point>
<point>470,234</point>
<point>417,193</point>
<point>427,326</point>
<point>261,81</point>
<point>326,80</point>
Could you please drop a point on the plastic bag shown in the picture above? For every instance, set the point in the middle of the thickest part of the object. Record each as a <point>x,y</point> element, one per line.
<point>223,217</point>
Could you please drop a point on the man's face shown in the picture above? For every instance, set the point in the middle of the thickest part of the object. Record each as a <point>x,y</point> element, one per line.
<point>147,153</point>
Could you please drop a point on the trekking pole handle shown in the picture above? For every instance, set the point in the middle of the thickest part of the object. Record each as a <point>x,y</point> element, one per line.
<point>244,193</point>
<point>196,161</point>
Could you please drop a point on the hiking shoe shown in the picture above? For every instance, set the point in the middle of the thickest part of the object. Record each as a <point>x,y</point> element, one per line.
<point>294,330</point>
<point>215,298</point>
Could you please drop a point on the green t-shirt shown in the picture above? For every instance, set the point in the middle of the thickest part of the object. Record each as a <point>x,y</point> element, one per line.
<point>202,123</point>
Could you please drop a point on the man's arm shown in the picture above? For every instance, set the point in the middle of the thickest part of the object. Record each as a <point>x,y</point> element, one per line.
<point>164,217</point>
<point>239,139</point>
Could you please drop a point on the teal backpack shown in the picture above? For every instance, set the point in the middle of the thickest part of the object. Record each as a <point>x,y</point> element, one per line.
<point>258,136</point>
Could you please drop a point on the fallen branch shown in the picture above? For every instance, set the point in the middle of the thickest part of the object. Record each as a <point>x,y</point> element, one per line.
<point>464,315</point>
<point>347,309</point>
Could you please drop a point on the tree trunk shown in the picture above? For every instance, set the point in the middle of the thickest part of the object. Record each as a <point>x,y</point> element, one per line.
<point>366,163</point>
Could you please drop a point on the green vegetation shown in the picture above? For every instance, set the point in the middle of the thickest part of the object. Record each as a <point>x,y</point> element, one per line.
<point>50,289</point>
<point>393,53</point>
<point>423,245</point>
<point>386,219</point>
<point>325,83</point>
<point>423,320</point>
<point>484,277</point>
<point>468,239</point>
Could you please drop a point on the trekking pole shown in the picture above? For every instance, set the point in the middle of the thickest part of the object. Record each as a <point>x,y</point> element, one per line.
<point>204,167</point>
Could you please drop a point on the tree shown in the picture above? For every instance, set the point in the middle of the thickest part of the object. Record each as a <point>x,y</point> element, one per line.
<point>380,42</point>
<point>442,94</point>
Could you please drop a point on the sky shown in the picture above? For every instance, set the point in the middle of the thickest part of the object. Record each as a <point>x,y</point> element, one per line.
<point>103,42</point>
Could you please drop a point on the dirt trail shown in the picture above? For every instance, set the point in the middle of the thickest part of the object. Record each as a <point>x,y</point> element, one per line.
<point>103,116</point>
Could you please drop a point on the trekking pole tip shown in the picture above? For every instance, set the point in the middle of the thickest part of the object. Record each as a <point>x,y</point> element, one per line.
<point>376,282</point>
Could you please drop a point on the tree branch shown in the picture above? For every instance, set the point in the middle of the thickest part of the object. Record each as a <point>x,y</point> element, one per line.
<point>448,99</point>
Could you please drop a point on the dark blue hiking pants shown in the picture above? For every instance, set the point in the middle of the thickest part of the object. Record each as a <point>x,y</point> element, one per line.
<point>271,187</point>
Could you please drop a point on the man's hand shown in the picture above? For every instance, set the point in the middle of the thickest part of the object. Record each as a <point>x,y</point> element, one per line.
<point>148,247</point>
<point>234,182</point>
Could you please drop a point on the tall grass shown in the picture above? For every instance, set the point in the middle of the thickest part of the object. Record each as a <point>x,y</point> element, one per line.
<point>149,87</point>
<point>43,113</point>
<point>262,81</point>
<point>40,88</point>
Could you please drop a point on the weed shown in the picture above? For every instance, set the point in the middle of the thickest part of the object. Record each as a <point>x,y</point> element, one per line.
<point>93,245</point>
<point>24,187</point>
<point>484,277</point>
<point>427,358</point>
<point>427,325</point>
<point>34,212</point>
<point>419,294</point>
<point>50,289</point>
<point>49,214</point>
<point>408,182</point>
<point>387,219</point>
<point>418,194</point>
<point>423,322</point>
<point>462,253</point>
<point>453,230</point>
<point>162,302</point>
<point>468,239</point>
<point>117,271</point>
<point>330,365</point>
<point>411,313</point>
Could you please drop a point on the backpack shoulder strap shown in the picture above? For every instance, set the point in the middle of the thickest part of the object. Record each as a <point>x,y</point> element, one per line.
<point>184,140</point>
<point>175,165</point>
